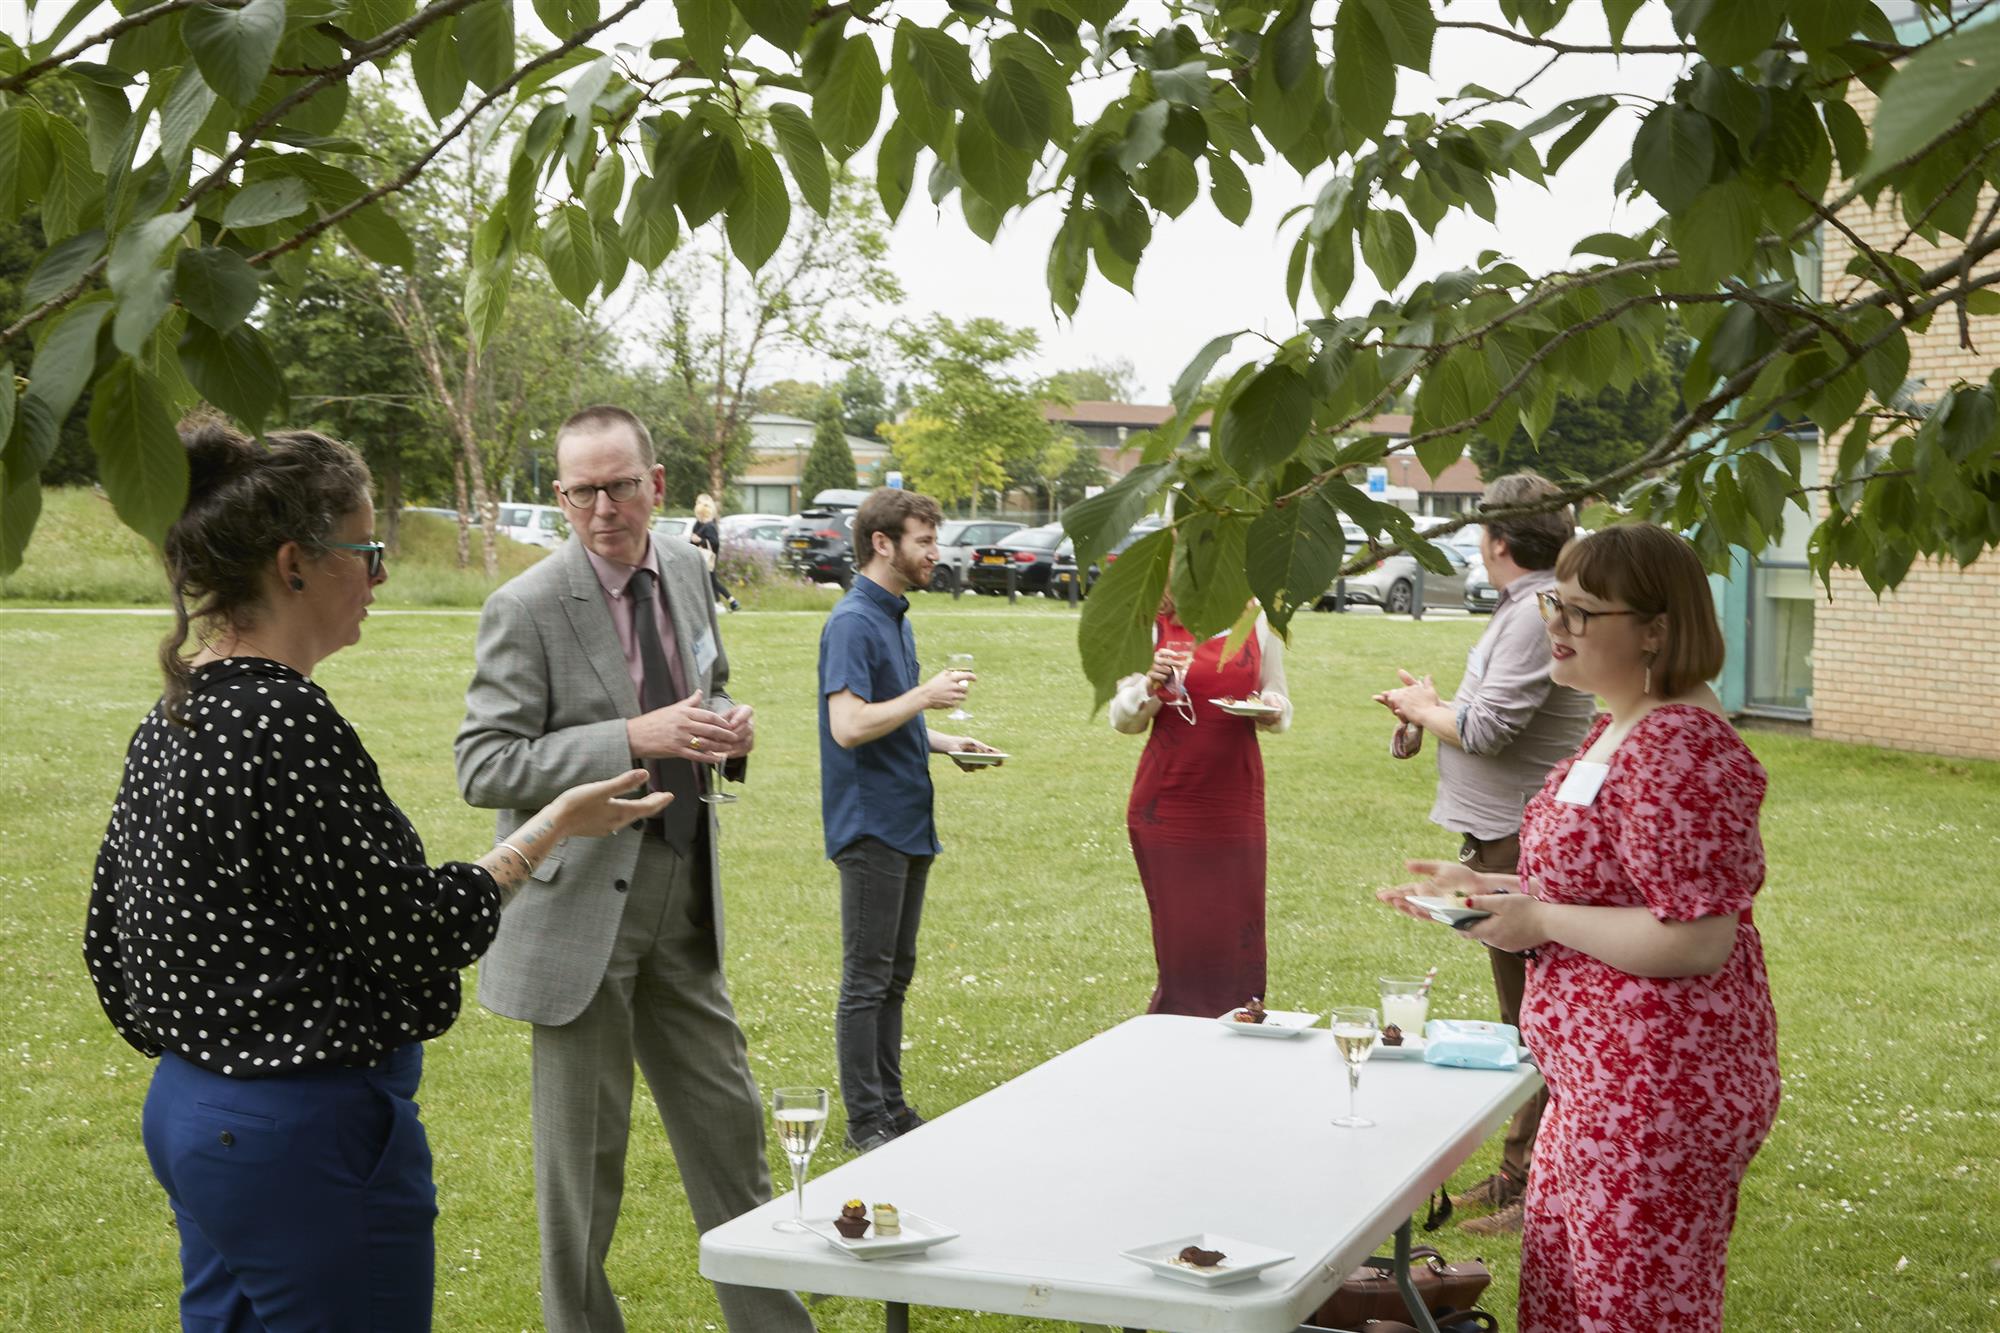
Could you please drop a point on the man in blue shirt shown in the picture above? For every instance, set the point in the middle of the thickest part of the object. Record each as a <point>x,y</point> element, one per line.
<point>875,797</point>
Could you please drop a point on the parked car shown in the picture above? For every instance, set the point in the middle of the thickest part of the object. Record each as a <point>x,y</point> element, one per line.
<point>760,534</point>
<point>1392,583</point>
<point>1064,569</point>
<point>956,539</point>
<point>1481,597</point>
<point>537,525</point>
<point>1030,553</point>
<point>672,527</point>
<point>819,539</point>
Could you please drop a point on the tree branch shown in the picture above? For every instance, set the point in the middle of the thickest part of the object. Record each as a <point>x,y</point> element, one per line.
<point>1894,50</point>
<point>13,83</point>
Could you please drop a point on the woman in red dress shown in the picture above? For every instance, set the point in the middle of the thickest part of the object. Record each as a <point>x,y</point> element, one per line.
<point>1647,1004</point>
<point>1196,817</point>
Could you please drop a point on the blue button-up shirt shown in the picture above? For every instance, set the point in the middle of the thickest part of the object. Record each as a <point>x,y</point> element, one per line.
<point>881,789</point>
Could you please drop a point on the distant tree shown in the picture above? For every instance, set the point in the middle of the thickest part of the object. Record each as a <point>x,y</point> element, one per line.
<point>1101,382</point>
<point>865,401</point>
<point>830,463</point>
<point>1589,437</point>
<point>791,398</point>
<point>1083,472</point>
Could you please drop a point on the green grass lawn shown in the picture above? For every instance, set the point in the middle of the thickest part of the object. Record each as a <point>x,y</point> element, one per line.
<point>1872,1206</point>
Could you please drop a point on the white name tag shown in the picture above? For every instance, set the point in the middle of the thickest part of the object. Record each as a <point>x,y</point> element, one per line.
<point>704,658</point>
<point>1580,786</point>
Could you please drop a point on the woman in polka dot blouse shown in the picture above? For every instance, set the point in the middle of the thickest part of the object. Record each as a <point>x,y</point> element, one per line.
<point>263,920</point>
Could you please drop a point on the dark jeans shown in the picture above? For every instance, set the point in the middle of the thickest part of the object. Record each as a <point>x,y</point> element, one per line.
<point>881,902</point>
<point>1502,856</point>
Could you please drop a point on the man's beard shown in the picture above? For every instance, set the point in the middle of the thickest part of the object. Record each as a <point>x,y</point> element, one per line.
<point>914,573</point>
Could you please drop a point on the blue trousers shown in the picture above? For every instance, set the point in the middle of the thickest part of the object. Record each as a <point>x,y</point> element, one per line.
<point>304,1201</point>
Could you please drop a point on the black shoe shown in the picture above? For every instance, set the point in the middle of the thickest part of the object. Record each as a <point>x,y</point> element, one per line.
<point>869,1135</point>
<point>733,606</point>
<point>905,1119</point>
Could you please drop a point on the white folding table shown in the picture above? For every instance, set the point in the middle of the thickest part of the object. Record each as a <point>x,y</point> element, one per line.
<point>1158,1128</point>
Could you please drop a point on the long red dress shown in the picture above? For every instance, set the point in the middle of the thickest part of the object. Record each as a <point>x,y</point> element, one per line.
<point>1661,1089</point>
<point>1196,819</point>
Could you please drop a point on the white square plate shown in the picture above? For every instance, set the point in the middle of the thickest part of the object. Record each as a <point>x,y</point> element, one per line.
<point>976,758</point>
<point>1277,1023</point>
<point>919,1234</point>
<point>1247,708</point>
<point>1449,911</point>
<point>1240,1259</point>
<point>1411,1049</point>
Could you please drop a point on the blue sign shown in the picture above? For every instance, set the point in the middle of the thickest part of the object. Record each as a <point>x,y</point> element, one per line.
<point>1378,481</point>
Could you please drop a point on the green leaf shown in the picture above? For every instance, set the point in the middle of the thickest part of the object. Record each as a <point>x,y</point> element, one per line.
<point>266,201</point>
<point>1717,234</point>
<point>896,169</point>
<point>139,455</point>
<point>1183,85</point>
<point>1576,135</point>
<point>803,155</point>
<point>439,72</point>
<point>604,189</point>
<point>1229,188</point>
<point>1849,135</point>
<point>1364,75</point>
<point>1100,522</point>
<point>1069,261</point>
<point>1673,155</point>
<point>73,199</point>
<point>1765,490</point>
<point>367,18</point>
<point>1408,26</point>
<point>707,179</point>
<point>485,301</point>
<point>139,247</point>
<point>375,232</point>
<point>1114,634</point>
<point>233,370</point>
<point>1189,383</point>
<point>1931,91</point>
<point>1388,246</point>
<point>569,248</point>
<point>705,25</point>
<point>1210,589</point>
<point>58,269</point>
<point>761,211</point>
<point>1618,14</point>
<point>109,115</point>
<point>1018,105</point>
<point>997,172</point>
<point>216,285</point>
<point>64,361</point>
<point>1170,183</point>
<point>1264,423</point>
<point>25,157</point>
<point>942,63</point>
<point>1736,32</point>
<point>779,22</point>
<point>486,42</point>
<point>1292,553</point>
<point>650,228</point>
<point>187,106</point>
<point>234,47</point>
<point>20,507</point>
<point>849,102</point>
<point>1825,24</point>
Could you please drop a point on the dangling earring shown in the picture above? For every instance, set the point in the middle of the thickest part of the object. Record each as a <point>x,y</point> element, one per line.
<point>1648,689</point>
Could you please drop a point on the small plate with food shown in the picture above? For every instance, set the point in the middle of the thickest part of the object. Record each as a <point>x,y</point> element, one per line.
<point>1206,1259</point>
<point>1449,909</point>
<point>883,1232</point>
<point>977,758</point>
<point>1393,1044</point>
<point>1254,1020</point>
<point>1251,706</point>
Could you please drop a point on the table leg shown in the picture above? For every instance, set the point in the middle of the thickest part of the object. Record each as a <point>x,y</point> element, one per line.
<point>1418,1314</point>
<point>899,1317</point>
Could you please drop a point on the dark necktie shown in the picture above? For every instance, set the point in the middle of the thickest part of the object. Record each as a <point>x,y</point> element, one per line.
<point>657,690</point>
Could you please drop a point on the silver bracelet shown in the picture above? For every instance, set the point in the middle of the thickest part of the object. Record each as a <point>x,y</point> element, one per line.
<point>527,866</point>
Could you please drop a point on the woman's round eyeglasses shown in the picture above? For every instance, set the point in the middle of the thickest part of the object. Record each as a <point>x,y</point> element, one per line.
<point>1574,619</point>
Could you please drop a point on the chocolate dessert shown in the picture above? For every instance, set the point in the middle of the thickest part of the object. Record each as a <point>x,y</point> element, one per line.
<point>1392,1035</point>
<point>1252,1012</point>
<point>1196,1257</point>
<point>853,1220</point>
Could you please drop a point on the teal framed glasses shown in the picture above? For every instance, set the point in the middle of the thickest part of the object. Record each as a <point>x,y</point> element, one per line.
<point>375,551</point>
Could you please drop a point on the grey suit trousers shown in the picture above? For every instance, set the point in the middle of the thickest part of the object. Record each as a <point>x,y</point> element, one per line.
<point>663,1002</point>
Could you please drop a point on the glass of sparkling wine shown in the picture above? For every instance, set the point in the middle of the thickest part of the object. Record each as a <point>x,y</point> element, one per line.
<point>1354,1033</point>
<point>800,1114</point>
<point>959,662</point>
<point>1405,1005</point>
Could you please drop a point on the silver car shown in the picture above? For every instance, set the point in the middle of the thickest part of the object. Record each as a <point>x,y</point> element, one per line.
<point>760,534</point>
<point>955,542</point>
<point>1392,583</point>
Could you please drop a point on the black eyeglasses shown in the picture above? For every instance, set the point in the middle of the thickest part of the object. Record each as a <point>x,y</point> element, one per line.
<point>1574,619</point>
<point>375,552</point>
<point>585,497</point>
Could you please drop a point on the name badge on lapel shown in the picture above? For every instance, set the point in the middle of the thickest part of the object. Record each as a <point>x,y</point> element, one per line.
<point>704,654</point>
<point>1582,783</point>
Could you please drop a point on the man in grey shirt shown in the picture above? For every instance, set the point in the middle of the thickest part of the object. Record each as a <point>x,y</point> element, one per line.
<point>1498,738</point>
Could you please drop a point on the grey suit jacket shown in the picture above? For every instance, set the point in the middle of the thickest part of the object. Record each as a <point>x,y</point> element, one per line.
<point>546,710</point>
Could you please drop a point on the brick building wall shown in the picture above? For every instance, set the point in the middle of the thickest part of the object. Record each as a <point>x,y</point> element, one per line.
<point>1920,668</point>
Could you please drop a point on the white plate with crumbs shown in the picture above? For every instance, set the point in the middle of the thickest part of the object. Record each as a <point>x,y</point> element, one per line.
<point>1240,1259</point>
<point>919,1234</point>
<point>1277,1023</point>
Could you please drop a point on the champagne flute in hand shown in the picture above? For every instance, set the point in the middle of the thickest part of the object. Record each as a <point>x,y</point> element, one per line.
<point>800,1114</point>
<point>959,662</point>
<point>1354,1034</point>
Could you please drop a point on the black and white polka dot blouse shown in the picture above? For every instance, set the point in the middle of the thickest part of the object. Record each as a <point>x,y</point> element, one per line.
<point>260,905</point>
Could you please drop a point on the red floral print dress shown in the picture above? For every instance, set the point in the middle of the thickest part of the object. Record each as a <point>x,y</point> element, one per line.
<point>1661,1090</point>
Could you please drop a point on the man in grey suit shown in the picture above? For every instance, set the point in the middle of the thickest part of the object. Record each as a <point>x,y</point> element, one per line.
<point>603,655</point>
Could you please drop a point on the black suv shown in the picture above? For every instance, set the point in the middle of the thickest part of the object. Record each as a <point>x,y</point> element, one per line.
<point>819,539</point>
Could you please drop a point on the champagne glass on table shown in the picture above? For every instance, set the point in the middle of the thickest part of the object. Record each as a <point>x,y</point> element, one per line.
<point>800,1114</point>
<point>959,662</point>
<point>1354,1034</point>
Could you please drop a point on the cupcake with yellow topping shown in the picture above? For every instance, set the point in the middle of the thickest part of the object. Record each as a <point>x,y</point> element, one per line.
<point>853,1220</point>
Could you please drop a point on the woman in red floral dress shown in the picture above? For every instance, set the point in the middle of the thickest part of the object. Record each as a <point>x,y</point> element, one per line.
<point>1647,1004</point>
